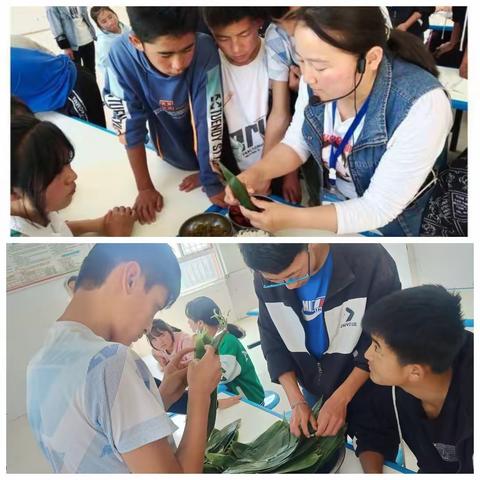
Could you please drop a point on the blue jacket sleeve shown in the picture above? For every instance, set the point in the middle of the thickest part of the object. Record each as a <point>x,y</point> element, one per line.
<point>128,113</point>
<point>207,108</point>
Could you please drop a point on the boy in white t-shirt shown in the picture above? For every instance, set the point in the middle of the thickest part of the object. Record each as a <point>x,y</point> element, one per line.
<point>92,403</point>
<point>246,88</point>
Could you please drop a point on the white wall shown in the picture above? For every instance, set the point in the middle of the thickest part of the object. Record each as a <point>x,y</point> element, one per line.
<point>30,312</point>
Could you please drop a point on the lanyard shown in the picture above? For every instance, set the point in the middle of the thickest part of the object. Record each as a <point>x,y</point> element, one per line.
<point>336,152</point>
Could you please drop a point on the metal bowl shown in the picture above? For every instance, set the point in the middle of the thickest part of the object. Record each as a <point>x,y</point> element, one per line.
<point>207,225</point>
<point>335,462</point>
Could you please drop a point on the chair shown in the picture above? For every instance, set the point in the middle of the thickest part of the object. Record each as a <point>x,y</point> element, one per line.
<point>271,399</point>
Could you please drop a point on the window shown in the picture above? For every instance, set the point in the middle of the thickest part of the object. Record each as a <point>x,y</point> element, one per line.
<point>200,265</point>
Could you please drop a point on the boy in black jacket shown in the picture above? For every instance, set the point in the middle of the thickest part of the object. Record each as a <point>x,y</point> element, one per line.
<point>312,298</point>
<point>420,347</point>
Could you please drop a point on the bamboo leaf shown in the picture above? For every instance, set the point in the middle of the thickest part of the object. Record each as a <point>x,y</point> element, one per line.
<point>238,188</point>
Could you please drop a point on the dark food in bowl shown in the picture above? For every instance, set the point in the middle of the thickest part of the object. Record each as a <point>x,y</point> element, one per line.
<point>207,225</point>
<point>237,217</point>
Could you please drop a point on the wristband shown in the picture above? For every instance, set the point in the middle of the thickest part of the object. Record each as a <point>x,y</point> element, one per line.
<point>299,403</point>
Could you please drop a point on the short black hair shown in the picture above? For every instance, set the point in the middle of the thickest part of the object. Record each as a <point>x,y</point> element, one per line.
<point>96,11</point>
<point>39,151</point>
<point>157,263</point>
<point>223,16</point>
<point>19,107</point>
<point>149,23</point>
<point>421,325</point>
<point>270,257</point>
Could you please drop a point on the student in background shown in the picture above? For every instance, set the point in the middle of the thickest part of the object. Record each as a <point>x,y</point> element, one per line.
<point>74,34</point>
<point>450,49</point>
<point>43,182</point>
<point>92,404</point>
<point>374,116</point>
<point>421,349</point>
<point>246,86</point>
<point>168,76</point>
<point>166,343</point>
<point>238,371</point>
<point>54,83</point>
<point>109,29</point>
<point>414,20</point>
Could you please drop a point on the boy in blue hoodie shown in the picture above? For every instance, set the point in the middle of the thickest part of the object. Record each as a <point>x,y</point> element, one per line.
<point>168,76</point>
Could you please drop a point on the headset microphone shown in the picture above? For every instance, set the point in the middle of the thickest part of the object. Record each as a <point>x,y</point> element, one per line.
<point>361,65</point>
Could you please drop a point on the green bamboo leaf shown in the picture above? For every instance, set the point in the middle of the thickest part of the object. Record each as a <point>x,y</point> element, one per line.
<point>238,188</point>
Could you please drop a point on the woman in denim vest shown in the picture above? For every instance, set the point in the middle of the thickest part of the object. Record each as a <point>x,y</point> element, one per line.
<point>373,115</point>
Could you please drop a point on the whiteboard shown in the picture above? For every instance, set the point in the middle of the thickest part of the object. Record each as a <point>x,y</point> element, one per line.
<point>28,264</point>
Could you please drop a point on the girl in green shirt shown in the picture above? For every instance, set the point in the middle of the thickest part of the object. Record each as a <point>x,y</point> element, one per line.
<point>238,372</point>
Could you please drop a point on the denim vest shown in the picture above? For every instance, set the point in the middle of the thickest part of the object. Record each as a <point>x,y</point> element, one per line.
<point>397,86</point>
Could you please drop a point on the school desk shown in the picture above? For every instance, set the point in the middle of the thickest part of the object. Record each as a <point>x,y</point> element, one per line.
<point>256,419</point>
<point>105,179</point>
<point>437,21</point>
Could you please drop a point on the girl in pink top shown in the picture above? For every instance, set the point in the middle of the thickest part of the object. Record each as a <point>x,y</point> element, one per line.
<point>166,341</point>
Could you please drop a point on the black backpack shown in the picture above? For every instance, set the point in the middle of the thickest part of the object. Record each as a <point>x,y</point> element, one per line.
<point>446,214</point>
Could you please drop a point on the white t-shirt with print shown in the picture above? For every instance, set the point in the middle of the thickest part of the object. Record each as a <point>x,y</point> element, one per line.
<point>89,401</point>
<point>411,153</point>
<point>245,94</point>
<point>82,32</point>
<point>55,228</point>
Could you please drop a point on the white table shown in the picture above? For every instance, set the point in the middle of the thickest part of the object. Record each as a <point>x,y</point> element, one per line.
<point>438,21</point>
<point>105,179</point>
<point>255,420</point>
<point>457,87</point>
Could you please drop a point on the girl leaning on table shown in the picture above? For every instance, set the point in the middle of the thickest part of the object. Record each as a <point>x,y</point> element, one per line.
<point>43,182</point>
<point>166,341</point>
<point>373,115</point>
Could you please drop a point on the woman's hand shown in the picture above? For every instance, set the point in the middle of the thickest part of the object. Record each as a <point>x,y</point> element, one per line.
<point>253,183</point>
<point>274,217</point>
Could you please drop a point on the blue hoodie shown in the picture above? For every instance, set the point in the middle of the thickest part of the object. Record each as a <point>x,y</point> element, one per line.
<point>104,43</point>
<point>41,80</point>
<point>184,113</point>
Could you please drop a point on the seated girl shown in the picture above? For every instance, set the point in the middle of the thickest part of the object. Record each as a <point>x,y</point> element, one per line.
<point>238,371</point>
<point>43,182</point>
<point>166,341</point>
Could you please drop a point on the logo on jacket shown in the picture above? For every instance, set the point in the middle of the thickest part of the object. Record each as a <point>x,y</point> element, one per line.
<point>312,308</point>
<point>348,322</point>
<point>167,105</point>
